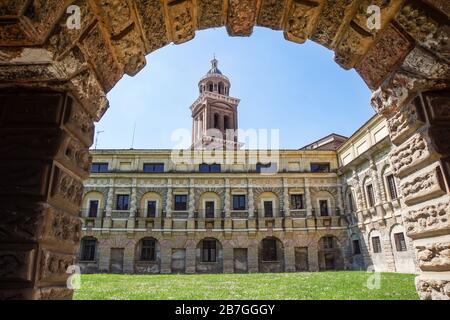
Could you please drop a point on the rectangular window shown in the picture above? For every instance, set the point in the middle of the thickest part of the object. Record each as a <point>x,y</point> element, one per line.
<point>356,247</point>
<point>376,244</point>
<point>148,250</point>
<point>370,197</point>
<point>297,202</point>
<point>153,167</point>
<point>88,253</point>
<point>97,167</point>
<point>324,208</point>
<point>180,202</point>
<point>328,242</point>
<point>320,167</point>
<point>350,202</point>
<point>209,168</point>
<point>400,242</point>
<point>209,251</point>
<point>239,202</point>
<point>209,209</point>
<point>269,250</point>
<point>151,209</point>
<point>266,168</point>
<point>93,208</point>
<point>123,201</point>
<point>392,187</point>
<point>268,209</point>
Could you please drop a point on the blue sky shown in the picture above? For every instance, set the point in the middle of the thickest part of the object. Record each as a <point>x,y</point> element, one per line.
<point>297,89</point>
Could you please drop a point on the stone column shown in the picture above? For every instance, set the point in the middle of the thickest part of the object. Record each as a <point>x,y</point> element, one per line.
<point>289,259</point>
<point>340,198</point>
<point>227,201</point>
<point>313,258</point>
<point>45,138</point>
<point>107,221</point>
<point>190,259</point>
<point>253,259</point>
<point>228,260</point>
<point>420,160</point>
<point>169,199</point>
<point>251,203</point>
<point>131,224</point>
<point>191,198</point>
<point>166,259</point>
<point>286,202</point>
<point>308,198</point>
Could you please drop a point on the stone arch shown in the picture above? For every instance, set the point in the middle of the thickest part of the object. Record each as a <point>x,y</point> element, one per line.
<point>330,253</point>
<point>271,255</point>
<point>157,192</point>
<point>269,197</point>
<point>220,192</point>
<point>143,204</point>
<point>88,209</point>
<point>320,195</point>
<point>401,249</point>
<point>147,256</point>
<point>209,256</point>
<point>209,196</point>
<point>397,61</point>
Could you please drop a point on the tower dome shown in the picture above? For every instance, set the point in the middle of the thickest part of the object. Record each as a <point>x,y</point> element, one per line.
<point>215,81</point>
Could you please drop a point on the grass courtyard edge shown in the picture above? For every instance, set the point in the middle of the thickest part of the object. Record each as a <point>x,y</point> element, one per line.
<point>351,285</point>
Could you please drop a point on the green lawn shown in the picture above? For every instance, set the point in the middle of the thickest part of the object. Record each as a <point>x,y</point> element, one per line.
<point>323,285</point>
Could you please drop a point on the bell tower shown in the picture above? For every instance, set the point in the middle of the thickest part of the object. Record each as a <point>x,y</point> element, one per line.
<point>214,113</point>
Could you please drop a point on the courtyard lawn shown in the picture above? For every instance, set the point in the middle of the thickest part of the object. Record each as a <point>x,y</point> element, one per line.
<point>319,285</point>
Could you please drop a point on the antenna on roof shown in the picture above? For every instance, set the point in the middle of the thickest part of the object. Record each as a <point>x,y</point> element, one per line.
<point>134,132</point>
<point>96,138</point>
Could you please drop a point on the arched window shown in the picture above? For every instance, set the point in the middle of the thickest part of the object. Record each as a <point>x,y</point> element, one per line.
<point>328,242</point>
<point>269,249</point>
<point>209,250</point>
<point>221,88</point>
<point>88,249</point>
<point>226,122</point>
<point>148,249</point>
<point>210,87</point>
<point>216,121</point>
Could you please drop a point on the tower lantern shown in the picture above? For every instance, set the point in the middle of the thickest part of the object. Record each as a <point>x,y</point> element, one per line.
<point>214,113</point>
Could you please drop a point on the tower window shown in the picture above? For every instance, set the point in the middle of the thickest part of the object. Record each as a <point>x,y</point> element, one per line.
<point>221,88</point>
<point>216,120</point>
<point>226,122</point>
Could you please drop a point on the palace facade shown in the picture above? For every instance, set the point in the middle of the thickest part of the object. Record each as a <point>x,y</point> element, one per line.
<point>331,205</point>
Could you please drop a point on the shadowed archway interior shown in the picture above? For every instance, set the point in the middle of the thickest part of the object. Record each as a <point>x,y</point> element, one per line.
<point>54,81</point>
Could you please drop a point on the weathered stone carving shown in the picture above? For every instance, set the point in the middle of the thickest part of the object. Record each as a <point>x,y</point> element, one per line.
<point>411,154</point>
<point>403,123</point>
<point>182,20</point>
<point>433,289</point>
<point>388,52</point>
<point>241,17</point>
<point>429,220</point>
<point>301,20</point>
<point>434,257</point>
<point>271,14</point>
<point>423,186</point>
